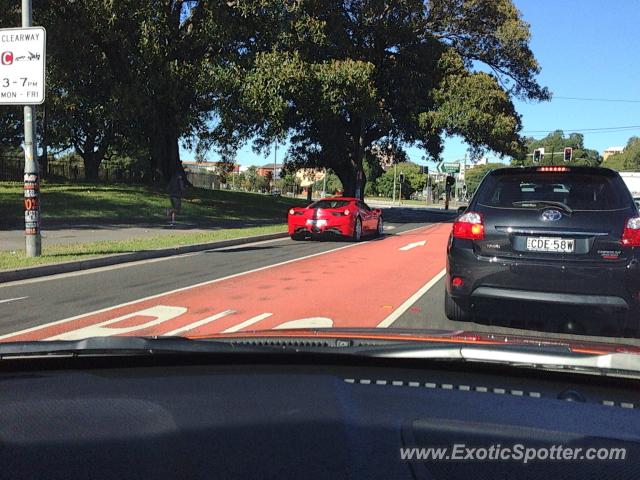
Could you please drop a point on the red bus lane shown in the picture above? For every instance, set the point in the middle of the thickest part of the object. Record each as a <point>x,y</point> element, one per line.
<point>361,285</point>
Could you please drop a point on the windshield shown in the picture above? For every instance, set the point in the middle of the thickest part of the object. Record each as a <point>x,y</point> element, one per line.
<point>575,190</point>
<point>329,204</point>
<point>414,169</point>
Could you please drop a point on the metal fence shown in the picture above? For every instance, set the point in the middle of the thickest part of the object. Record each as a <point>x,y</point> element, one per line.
<point>12,169</point>
<point>208,180</point>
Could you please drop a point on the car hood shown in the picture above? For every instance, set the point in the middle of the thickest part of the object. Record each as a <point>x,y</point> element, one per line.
<point>436,336</point>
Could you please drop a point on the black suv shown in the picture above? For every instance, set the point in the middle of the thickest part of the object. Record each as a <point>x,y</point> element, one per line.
<point>550,234</point>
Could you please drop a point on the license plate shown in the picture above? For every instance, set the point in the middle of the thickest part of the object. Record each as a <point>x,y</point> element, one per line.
<point>317,223</point>
<point>550,244</point>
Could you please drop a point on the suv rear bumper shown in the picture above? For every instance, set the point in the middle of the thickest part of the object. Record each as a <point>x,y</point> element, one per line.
<point>551,297</point>
<point>610,286</point>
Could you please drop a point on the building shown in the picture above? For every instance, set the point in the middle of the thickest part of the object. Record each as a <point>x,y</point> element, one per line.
<point>610,151</point>
<point>270,168</point>
<point>210,166</point>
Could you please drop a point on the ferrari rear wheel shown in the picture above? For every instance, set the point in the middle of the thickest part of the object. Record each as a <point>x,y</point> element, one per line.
<point>297,237</point>
<point>357,230</point>
<point>380,228</point>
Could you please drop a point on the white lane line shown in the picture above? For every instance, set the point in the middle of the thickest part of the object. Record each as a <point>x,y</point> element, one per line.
<point>411,300</point>
<point>118,266</point>
<point>413,245</point>
<point>246,323</point>
<point>12,299</point>
<point>178,290</point>
<point>201,284</point>
<point>199,323</point>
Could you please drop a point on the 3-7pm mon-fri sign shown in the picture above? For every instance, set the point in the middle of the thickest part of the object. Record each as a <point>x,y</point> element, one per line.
<point>22,65</point>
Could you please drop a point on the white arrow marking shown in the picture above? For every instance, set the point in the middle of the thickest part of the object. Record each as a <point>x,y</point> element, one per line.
<point>413,245</point>
<point>312,322</point>
<point>12,299</point>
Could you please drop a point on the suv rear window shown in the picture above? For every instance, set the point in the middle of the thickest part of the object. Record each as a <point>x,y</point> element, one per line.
<point>579,191</point>
<point>330,204</point>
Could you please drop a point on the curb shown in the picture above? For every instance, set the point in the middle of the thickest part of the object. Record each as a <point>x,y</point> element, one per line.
<point>77,265</point>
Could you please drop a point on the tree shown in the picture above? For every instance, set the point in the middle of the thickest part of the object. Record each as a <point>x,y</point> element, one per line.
<point>628,160</point>
<point>474,175</point>
<point>80,103</point>
<point>554,145</point>
<point>338,77</point>
<point>414,181</point>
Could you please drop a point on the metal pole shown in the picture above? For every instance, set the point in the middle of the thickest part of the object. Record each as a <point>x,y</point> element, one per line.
<point>275,162</point>
<point>324,184</point>
<point>394,184</point>
<point>400,196</point>
<point>31,174</point>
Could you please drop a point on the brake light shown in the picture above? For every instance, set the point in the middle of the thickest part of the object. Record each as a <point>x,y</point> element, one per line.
<point>346,211</point>
<point>292,211</point>
<point>553,169</point>
<point>631,233</point>
<point>469,226</point>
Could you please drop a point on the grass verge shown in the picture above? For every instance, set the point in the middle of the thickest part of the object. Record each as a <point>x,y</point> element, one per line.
<point>84,251</point>
<point>130,203</point>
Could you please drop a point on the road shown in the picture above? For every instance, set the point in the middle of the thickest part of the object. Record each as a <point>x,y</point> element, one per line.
<point>391,282</point>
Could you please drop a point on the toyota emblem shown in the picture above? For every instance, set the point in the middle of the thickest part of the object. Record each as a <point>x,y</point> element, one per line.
<point>551,216</point>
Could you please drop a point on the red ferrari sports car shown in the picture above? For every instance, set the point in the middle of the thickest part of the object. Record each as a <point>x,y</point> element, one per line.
<point>343,216</point>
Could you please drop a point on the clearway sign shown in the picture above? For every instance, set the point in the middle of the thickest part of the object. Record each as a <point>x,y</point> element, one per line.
<point>22,65</point>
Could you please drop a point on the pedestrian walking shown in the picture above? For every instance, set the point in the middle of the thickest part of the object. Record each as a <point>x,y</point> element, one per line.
<point>176,189</point>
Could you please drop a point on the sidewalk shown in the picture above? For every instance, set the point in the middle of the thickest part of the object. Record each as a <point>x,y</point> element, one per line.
<point>67,234</point>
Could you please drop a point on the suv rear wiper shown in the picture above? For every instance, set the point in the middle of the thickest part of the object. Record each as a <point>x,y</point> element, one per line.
<point>544,203</point>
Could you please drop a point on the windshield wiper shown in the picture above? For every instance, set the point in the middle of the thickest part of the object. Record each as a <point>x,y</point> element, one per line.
<point>543,203</point>
<point>554,358</point>
<point>549,357</point>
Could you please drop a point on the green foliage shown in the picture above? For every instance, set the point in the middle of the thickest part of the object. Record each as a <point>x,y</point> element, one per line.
<point>333,183</point>
<point>338,77</point>
<point>414,181</point>
<point>473,176</point>
<point>628,160</point>
<point>554,145</point>
<point>253,182</point>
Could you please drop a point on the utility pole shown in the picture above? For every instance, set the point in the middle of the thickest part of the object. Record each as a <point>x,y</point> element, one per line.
<point>324,184</point>
<point>33,239</point>
<point>275,162</point>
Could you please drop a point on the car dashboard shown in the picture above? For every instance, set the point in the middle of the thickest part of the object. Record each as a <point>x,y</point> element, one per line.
<point>301,417</point>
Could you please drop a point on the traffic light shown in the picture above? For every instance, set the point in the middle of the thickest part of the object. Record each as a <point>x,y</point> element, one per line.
<point>537,155</point>
<point>568,154</point>
<point>450,181</point>
<point>401,177</point>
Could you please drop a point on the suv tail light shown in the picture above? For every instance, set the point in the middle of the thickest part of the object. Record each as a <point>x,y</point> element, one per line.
<point>469,226</point>
<point>631,234</point>
<point>553,169</point>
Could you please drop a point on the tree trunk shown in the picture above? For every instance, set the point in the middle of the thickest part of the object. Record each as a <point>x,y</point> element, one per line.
<point>91,166</point>
<point>165,152</point>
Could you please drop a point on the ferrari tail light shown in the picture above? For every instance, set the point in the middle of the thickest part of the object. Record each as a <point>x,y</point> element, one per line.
<point>631,233</point>
<point>293,211</point>
<point>345,212</point>
<point>469,226</point>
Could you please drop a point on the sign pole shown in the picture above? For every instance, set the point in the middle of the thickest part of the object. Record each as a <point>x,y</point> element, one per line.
<point>31,174</point>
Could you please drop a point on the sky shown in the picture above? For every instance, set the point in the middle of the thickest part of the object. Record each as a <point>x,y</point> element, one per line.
<point>587,49</point>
